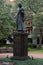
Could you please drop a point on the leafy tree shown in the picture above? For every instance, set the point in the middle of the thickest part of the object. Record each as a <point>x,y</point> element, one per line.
<point>38,27</point>
<point>6,20</point>
<point>38,23</point>
<point>31,6</point>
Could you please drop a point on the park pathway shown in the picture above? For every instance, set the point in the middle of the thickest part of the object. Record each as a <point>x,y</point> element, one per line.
<point>35,54</point>
<point>31,54</point>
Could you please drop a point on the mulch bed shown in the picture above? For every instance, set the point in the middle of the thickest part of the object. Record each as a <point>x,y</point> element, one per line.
<point>6,50</point>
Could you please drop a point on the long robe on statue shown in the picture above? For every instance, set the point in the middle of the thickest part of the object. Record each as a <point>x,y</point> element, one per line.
<point>20,20</point>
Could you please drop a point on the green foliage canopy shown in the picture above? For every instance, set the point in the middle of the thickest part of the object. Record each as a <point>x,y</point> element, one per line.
<point>31,6</point>
<point>38,24</point>
<point>6,20</point>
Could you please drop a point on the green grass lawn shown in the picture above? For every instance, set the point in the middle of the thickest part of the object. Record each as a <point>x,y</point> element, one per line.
<point>25,62</point>
<point>39,50</point>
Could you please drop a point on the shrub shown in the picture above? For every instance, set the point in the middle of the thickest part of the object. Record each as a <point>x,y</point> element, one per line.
<point>32,45</point>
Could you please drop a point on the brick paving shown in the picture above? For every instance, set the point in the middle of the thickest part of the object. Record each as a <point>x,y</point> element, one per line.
<point>4,55</point>
<point>34,54</point>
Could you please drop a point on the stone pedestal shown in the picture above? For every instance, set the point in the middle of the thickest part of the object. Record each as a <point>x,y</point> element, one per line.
<point>20,47</point>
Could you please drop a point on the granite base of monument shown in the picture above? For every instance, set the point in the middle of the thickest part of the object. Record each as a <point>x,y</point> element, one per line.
<point>20,47</point>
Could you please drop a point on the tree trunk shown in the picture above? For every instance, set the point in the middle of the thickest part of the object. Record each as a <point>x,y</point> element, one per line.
<point>40,40</point>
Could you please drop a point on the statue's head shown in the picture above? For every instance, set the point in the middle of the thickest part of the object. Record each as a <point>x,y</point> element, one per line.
<point>19,5</point>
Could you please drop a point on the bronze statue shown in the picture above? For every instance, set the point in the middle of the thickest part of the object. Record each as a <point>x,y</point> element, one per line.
<point>20,19</point>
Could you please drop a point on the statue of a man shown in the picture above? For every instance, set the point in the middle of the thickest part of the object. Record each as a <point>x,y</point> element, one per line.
<point>20,19</point>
